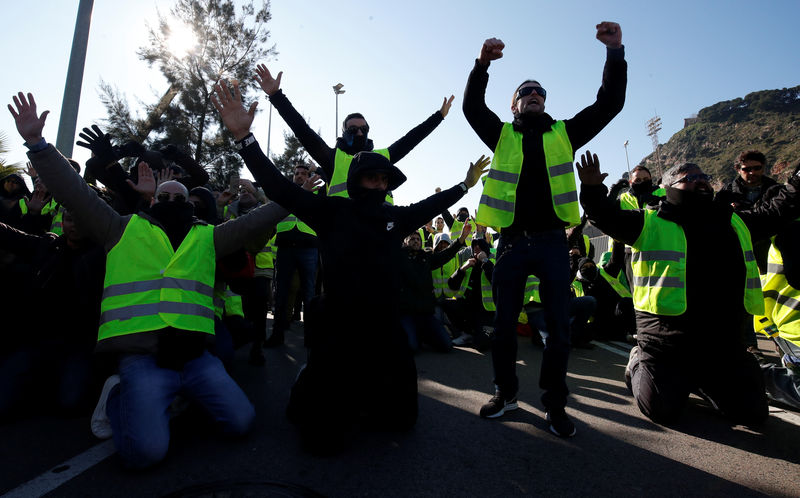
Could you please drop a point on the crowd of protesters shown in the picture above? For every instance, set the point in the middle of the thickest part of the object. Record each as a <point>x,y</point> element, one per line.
<point>163,277</point>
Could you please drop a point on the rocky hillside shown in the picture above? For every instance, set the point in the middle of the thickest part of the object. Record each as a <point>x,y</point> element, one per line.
<point>768,121</point>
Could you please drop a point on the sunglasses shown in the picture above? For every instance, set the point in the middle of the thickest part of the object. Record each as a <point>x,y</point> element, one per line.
<point>527,90</point>
<point>693,178</point>
<point>748,169</point>
<point>166,197</point>
<point>352,130</point>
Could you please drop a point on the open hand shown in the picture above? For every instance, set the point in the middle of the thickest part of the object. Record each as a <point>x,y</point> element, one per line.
<point>589,170</point>
<point>98,142</point>
<point>465,232</point>
<point>264,78</point>
<point>476,171</point>
<point>29,123</point>
<point>233,114</point>
<point>146,182</point>
<point>313,183</point>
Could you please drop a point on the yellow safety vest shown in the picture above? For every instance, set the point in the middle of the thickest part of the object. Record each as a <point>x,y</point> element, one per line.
<point>615,284</point>
<point>628,201</point>
<point>458,226</point>
<point>149,286</point>
<point>781,300</point>
<point>440,277</point>
<point>498,201</point>
<point>659,267</point>
<point>341,167</point>
<point>266,256</point>
<point>486,289</point>
<point>532,290</point>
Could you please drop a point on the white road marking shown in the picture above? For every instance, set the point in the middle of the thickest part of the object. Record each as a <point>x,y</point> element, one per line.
<point>613,349</point>
<point>62,473</point>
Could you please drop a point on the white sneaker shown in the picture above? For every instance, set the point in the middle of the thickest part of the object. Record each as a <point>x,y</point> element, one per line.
<point>101,424</point>
<point>462,340</point>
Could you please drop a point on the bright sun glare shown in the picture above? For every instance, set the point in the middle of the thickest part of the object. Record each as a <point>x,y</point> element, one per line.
<point>181,40</point>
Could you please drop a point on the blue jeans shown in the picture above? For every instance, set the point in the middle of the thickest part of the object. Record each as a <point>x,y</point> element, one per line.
<point>426,328</point>
<point>545,255</point>
<point>138,407</point>
<point>783,384</point>
<point>287,261</point>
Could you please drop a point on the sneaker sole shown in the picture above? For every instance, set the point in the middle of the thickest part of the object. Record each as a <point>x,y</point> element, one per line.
<point>554,431</point>
<point>509,407</point>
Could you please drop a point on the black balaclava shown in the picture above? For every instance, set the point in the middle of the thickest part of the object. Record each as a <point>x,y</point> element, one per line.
<point>642,188</point>
<point>696,201</point>
<point>175,217</point>
<point>462,215</point>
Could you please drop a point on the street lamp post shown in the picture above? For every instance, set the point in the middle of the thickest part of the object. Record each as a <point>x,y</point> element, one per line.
<point>337,89</point>
<point>269,127</point>
<point>627,161</point>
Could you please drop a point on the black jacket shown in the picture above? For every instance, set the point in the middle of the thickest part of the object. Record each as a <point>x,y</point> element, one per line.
<point>534,205</point>
<point>416,291</point>
<point>360,238</point>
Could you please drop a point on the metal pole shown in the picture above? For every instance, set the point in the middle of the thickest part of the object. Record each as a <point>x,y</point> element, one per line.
<point>269,128</point>
<point>336,123</point>
<point>627,161</point>
<point>72,89</point>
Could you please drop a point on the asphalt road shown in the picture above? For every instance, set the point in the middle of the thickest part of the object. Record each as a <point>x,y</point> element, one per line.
<point>451,452</point>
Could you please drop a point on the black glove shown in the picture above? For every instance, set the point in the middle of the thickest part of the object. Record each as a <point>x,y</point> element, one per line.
<point>131,149</point>
<point>99,143</point>
<point>171,152</point>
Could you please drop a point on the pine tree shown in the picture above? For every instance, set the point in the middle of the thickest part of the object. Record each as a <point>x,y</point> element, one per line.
<point>228,46</point>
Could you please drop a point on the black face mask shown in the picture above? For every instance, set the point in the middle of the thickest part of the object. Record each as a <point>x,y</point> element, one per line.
<point>462,217</point>
<point>355,142</point>
<point>696,200</point>
<point>644,187</point>
<point>175,217</point>
<point>588,273</point>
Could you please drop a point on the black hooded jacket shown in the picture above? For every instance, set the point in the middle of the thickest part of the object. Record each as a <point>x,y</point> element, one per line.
<point>360,237</point>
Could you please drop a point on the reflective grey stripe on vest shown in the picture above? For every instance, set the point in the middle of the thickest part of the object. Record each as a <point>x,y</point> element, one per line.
<point>289,219</point>
<point>565,198</point>
<point>335,189</point>
<point>654,281</point>
<point>159,283</point>
<point>787,301</point>
<point>748,256</point>
<point>218,302</point>
<point>504,176</point>
<point>775,268</point>
<point>488,300</point>
<point>657,256</point>
<point>497,203</point>
<point>560,169</point>
<point>141,310</point>
<point>230,293</point>
<point>754,283</point>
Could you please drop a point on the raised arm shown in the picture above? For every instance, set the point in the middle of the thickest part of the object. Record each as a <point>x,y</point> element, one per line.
<point>96,217</point>
<point>604,213</point>
<point>417,214</point>
<point>611,95</point>
<point>312,142</point>
<point>276,186</point>
<point>404,145</point>
<point>485,122</point>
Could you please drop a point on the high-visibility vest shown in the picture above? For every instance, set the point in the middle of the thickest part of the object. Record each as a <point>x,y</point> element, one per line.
<point>615,284</point>
<point>51,207</point>
<point>266,256</point>
<point>149,286</point>
<point>587,244</point>
<point>658,262</point>
<point>628,201</point>
<point>458,226</point>
<point>290,222</point>
<point>498,201</point>
<point>56,224</point>
<point>486,289</point>
<point>341,168</point>
<point>532,290</point>
<point>233,303</point>
<point>578,287</point>
<point>440,277</point>
<point>781,300</point>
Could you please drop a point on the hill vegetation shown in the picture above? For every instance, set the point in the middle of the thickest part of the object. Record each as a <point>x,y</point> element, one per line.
<point>767,120</point>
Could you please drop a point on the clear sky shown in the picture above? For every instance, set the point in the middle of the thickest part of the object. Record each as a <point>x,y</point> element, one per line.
<point>398,60</point>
